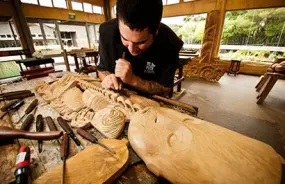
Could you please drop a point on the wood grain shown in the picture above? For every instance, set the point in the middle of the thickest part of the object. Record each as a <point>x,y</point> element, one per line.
<point>184,149</point>
<point>93,165</point>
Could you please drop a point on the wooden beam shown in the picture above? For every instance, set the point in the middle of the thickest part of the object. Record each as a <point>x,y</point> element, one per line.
<point>6,9</point>
<point>69,5</point>
<point>35,11</point>
<point>22,27</point>
<point>189,8</point>
<point>253,4</point>
<point>112,3</point>
<point>94,2</point>
<point>107,10</point>
<point>222,13</point>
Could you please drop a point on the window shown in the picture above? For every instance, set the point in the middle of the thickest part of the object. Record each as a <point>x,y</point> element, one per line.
<point>189,28</point>
<point>254,35</point>
<point>164,2</point>
<point>39,35</point>
<point>9,36</point>
<point>115,10</point>
<point>97,9</point>
<point>30,1</point>
<point>172,1</point>
<point>47,3</point>
<point>33,35</point>
<point>59,3</point>
<point>87,7</point>
<point>76,6</point>
<point>2,36</point>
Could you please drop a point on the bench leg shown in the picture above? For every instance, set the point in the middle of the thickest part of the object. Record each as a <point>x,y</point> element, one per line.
<point>267,88</point>
<point>261,82</point>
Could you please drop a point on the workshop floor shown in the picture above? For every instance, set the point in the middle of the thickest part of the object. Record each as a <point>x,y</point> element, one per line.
<point>231,103</point>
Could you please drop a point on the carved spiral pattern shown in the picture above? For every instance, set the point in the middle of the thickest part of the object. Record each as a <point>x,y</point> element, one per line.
<point>207,72</point>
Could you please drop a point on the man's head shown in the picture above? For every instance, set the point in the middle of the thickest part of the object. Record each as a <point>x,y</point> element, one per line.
<point>138,23</point>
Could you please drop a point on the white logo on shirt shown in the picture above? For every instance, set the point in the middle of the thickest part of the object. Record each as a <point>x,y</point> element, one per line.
<point>149,68</point>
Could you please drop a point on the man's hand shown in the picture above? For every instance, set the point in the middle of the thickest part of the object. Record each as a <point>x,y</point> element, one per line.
<point>124,71</point>
<point>111,82</point>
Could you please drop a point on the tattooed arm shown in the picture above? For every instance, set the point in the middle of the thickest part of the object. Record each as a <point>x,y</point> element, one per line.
<point>103,74</point>
<point>150,87</point>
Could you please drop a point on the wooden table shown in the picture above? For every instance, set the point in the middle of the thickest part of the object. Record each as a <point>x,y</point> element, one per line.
<point>50,157</point>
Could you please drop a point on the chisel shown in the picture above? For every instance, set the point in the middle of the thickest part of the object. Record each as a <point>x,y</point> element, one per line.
<point>29,109</point>
<point>64,154</point>
<point>9,105</point>
<point>13,107</point>
<point>51,125</point>
<point>28,121</point>
<point>39,128</point>
<point>69,131</point>
<point>86,135</point>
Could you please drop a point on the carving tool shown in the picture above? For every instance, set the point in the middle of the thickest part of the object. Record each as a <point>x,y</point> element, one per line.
<point>29,109</point>
<point>9,105</point>
<point>7,133</point>
<point>23,171</point>
<point>13,107</point>
<point>86,135</point>
<point>28,121</point>
<point>39,128</point>
<point>64,154</point>
<point>17,96</point>
<point>118,79</point>
<point>15,93</point>
<point>69,131</point>
<point>51,125</point>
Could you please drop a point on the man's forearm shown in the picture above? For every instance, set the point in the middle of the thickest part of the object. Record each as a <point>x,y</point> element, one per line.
<point>103,74</point>
<point>150,87</point>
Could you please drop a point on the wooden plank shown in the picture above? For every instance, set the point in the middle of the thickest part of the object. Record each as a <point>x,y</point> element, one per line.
<point>265,90</point>
<point>216,46</point>
<point>6,9</point>
<point>35,11</point>
<point>189,8</point>
<point>253,4</point>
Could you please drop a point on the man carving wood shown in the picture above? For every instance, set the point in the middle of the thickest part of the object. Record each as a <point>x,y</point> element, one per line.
<point>149,47</point>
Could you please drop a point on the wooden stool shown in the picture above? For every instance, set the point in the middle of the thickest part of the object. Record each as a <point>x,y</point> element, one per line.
<point>234,67</point>
<point>265,85</point>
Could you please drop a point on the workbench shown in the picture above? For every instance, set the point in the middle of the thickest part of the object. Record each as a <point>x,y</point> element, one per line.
<point>50,156</point>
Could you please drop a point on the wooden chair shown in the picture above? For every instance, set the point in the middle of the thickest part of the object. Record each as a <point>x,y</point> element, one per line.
<point>268,80</point>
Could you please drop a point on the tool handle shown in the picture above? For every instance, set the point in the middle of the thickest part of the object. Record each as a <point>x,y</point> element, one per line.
<point>21,96</point>
<point>15,93</point>
<point>31,107</point>
<point>11,133</point>
<point>64,125</point>
<point>9,105</point>
<point>27,123</point>
<point>50,124</point>
<point>64,146</point>
<point>86,135</point>
<point>17,105</point>
<point>39,123</point>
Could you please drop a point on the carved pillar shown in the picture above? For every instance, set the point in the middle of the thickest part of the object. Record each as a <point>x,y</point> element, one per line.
<point>206,66</point>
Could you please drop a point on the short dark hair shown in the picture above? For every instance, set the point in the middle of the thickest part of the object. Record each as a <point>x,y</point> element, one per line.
<point>139,14</point>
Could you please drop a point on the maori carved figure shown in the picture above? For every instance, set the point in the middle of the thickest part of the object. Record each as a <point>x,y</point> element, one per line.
<point>72,98</point>
<point>109,121</point>
<point>82,118</point>
<point>142,101</point>
<point>94,100</point>
<point>92,165</point>
<point>196,151</point>
<point>206,67</point>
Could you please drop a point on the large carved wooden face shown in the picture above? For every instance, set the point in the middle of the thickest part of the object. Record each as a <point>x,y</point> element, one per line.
<point>157,135</point>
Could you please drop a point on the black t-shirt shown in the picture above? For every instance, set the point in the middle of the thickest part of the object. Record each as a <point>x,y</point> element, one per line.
<point>158,63</point>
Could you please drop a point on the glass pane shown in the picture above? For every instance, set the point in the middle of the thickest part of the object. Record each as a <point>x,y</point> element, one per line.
<point>97,9</point>
<point>76,6</point>
<point>73,36</point>
<point>46,3</point>
<point>164,2</point>
<point>30,1</point>
<point>59,3</point>
<point>115,10</point>
<point>94,37</point>
<point>172,1</point>
<point>190,29</point>
<point>254,35</point>
<point>87,7</point>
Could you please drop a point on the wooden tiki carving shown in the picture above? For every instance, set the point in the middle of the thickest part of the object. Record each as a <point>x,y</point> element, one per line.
<point>206,66</point>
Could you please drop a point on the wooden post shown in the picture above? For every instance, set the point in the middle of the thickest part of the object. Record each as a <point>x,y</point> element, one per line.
<point>216,46</point>
<point>88,35</point>
<point>107,11</point>
<point>69,4</point>
<point>23,28</point>
<point>66,62</point>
